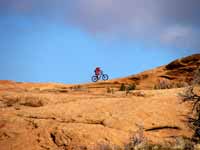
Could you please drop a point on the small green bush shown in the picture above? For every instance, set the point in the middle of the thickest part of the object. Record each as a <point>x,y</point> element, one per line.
<point>131,87</point>
<point>122,87</point>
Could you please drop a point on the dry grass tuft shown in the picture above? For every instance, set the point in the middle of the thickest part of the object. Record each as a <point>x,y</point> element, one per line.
<point>166,84</point>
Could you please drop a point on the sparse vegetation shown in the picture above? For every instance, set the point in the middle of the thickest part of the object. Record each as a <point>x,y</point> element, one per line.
<point>192,94</point>
<point>181,143</point>
<point>162,84</point>
<point>128,87</point>
<point>77,87</point>
<point>93,117</point>
<point>110,90</point>
<point>122,87</point>
<point>106,146</point>
<point>165,84</point>
<point>196,78</point>
<point>138,140</point>
<point>181,84</point>
<point>131,87</point>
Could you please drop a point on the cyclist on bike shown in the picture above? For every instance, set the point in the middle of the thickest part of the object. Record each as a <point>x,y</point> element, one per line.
<point>97,71</point>
<point>99,74</point>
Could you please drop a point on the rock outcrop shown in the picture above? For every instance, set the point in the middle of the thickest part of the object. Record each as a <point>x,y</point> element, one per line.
<point>65,117</point>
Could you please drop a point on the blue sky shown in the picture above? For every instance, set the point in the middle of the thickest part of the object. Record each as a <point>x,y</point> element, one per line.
<point>56,42</point>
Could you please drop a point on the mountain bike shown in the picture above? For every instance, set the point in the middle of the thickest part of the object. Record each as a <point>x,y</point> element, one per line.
<point>102,76</point>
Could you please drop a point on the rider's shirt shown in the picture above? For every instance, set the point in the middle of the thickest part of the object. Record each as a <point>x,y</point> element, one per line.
<point>97,71</point>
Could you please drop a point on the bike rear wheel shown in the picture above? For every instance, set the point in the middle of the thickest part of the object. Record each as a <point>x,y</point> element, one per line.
<point>94,78</point>
<point>105,77</point>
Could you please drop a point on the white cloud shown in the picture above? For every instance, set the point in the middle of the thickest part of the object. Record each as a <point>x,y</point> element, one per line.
<point>171,21</point>
<point>176,33</point>
<point>180,36</point>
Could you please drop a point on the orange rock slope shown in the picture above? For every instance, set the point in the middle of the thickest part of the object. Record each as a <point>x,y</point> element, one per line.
<point>63,117</point>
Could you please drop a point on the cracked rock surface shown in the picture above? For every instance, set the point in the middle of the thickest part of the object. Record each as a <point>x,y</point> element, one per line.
<point>97,116</point>
<point>38,120</point>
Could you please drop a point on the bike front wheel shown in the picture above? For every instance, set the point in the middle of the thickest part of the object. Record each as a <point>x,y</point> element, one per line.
<point>94,78</point>
<point>105,77</point>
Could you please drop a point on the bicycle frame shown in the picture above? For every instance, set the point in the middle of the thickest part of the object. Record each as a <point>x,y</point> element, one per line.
<point>100,75</point>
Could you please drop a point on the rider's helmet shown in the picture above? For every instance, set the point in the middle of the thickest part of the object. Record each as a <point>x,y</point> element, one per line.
<point>98,68</point>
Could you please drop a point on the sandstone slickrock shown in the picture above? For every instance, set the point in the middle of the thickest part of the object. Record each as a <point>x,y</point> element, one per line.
<point>65,117</point>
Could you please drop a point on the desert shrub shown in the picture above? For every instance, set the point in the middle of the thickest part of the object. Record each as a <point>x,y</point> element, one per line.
<point>128,87</point>
<point>149,146</point>
<point>78,88</point>
<point>122,87</point>
<point>180,84</point>
<point>110,90</point>
<point>182,143</point>
<point>194,122</point>
<point>196,78</point>
<point>131,86</point>
<point>138,140</point>
<point>192,94</point>
<point>106,146</point>
<point>163,84</point>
